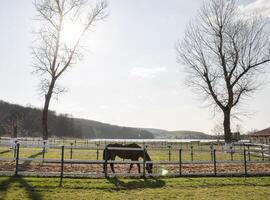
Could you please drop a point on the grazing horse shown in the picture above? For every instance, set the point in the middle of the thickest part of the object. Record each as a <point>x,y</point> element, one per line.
<point>133,155</point>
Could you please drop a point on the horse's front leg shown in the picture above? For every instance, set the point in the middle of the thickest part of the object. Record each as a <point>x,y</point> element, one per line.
<point>130,167</point>
<point>112,167</point>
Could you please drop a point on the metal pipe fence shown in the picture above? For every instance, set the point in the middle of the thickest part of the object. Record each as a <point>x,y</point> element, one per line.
<point>179,164</point>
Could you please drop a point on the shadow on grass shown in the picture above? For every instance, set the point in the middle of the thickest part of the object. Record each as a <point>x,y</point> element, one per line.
<point>30,190</point>
<point>137,183</point>
<point>3,152</point>
<point>25,164</point>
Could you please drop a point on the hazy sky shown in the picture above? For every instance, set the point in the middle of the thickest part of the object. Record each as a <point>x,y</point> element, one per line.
<point>129,76</point>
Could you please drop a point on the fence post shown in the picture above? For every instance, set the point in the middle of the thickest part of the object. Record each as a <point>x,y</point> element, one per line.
<point>262,152</point>
<point>222,147</point>
<point>43,150</point>
<point>191,152</point>
<point>211,148</point>
<point>106,163</point>
<point>97,152</point>
<point>180,162</point>
<point>144,158</point>
<point>15,149</point>
<point>71,150</point>
<point>231,153</point>
<point>215,163</point>
<point>245,162</point>
<point>169,152</point>
<point>17,158</point>
<point>248,154</point>
<point>62,166</point>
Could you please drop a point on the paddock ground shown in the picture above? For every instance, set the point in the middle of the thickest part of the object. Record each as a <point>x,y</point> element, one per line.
<point>96,169</point>
<point>199,153</point>
<point>171,188</point>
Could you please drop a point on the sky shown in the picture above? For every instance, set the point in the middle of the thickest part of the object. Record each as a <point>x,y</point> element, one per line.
<point>129,75</point>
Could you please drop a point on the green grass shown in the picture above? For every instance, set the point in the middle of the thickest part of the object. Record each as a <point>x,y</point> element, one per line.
<point>174,188</point>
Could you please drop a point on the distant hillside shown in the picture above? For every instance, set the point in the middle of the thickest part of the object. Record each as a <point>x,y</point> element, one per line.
<point>160,133</point>
<point>189,135</point>
<point>94,129</point>
<point>26,121</point>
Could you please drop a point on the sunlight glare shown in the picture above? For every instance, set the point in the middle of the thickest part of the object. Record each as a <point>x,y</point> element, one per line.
<point>164,172</point>
<point>71,33</point>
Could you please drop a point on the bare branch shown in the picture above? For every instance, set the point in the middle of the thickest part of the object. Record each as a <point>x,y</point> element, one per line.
<point>223,53</point>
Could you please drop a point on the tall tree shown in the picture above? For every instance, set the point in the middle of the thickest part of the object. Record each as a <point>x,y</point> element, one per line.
<point>224,52</point>
<point>54,53</point>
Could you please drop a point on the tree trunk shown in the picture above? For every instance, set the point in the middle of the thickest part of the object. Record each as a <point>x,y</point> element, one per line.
<point>227,126</point>
<point>46,109</point>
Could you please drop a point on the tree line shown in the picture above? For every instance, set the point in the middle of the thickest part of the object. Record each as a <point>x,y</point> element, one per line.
<point>20,121</point>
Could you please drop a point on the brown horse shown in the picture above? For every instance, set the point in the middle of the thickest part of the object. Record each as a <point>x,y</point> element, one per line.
<point>133,155</point>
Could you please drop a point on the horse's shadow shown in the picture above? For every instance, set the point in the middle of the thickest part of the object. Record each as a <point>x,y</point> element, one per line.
<point>136,183</point>
<point>30,190</point>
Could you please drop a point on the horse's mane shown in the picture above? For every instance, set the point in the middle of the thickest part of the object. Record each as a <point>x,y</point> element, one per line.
<point>134,145</point>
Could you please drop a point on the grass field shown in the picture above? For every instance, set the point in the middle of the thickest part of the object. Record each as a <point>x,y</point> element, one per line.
<point>124,188</point>
<point>174,188</point>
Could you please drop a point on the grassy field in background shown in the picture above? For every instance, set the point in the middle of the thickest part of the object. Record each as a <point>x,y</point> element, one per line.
<point>173,188</point>
<point>155,155</point>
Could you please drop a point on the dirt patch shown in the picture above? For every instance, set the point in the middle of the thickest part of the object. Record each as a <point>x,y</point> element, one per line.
<point>98,168</point>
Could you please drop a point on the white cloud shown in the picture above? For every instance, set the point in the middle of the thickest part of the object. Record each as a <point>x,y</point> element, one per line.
<point>261,7</point>
<point>147,72</point>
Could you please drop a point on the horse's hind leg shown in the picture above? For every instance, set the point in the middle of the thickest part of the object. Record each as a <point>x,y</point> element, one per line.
<point>139,168</point>
<point>130,167</point>
<point>112,167</point>
<point>111,164</point>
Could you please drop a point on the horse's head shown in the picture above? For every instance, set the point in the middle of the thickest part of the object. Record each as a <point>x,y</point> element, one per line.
<point>149,167</point>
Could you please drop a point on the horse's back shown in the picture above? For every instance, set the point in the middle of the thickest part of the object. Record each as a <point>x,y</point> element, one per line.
<point>125,154</point>
<point>114,145</point>
<point>132,145</point>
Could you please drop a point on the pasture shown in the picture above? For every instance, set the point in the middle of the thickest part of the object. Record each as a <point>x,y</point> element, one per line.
<point>74,161</point>
<point>83,158</point>
<point>126,188</point>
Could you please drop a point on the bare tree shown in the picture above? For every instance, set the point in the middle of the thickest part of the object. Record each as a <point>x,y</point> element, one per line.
<point>224,52</point>
<point>52,54</point>
<point>218,130</point>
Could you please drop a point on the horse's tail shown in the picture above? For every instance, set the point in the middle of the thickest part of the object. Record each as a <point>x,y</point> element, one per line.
<point>104,153</point>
